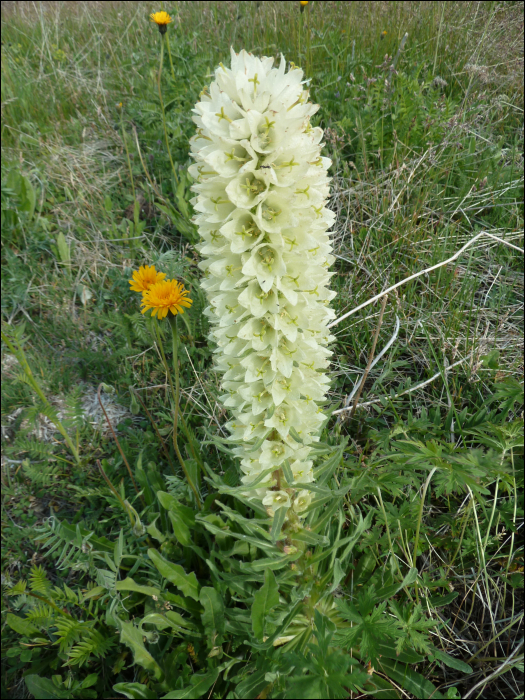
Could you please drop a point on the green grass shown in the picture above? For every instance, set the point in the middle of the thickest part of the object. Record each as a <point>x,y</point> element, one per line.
<point>425,157</point>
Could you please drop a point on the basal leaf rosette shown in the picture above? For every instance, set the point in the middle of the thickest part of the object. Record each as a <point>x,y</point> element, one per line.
<point>262,188</point>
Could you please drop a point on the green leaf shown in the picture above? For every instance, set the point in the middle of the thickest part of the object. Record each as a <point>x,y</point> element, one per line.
<point>338,575</point>
<point>178,621</point>
<point>438,601</point>
<point>264,601</point>
<point>169,619</point>
<point>89,680</point>
<point>295,435</point>
<point>175,574</point>
<point>279,632</point>
<point>182,518</point>
<point>30,197</point>
<point>451,661</point>
<point>245,538</point>
<point>287,472</point>
<point>252,685</point>
<point>349,541</point>
<point>135,690</point>
<point>64,253</point>
<point>213,615</point>
<point>269,563</point>
<point>389,591</point>
<point>44,688</point>
<point>152,530</point>
<point>94,592</point>
<point>132,637</point>
<point>129,585</point>
<point>409,680</point>
<point>23,627</point>
<point>491,360</point>
<point>407,656</point>
<point>278,521</point>
<point>200,684</point>
<point>310,538</point>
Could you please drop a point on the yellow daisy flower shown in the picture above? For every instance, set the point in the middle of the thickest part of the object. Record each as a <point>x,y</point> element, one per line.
<point>168,295</point>
<point>161,19</point>
<point>303,3</point>
<point>144,277</point>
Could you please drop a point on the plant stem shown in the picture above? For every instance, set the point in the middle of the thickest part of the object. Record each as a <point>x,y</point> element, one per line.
<point>308,66</point>
<point>370,356</point>
<point>159,436</point>
<point>169,54</point>
<point>18,352</point>
<point>299,35</point>
<point>176,394</point>
<point>181,413</point>
<point>419,519</point>
<point>162,109</point>
<point>127,153</point>
<point>113,489</point>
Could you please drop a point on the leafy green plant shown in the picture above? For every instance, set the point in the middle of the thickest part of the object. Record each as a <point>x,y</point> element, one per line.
<point>425,156</point>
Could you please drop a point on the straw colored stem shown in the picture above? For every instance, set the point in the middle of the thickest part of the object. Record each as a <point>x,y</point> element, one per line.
<point>370,356</point>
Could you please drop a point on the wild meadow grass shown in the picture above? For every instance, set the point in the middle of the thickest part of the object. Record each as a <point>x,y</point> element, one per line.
<point>422,107</point>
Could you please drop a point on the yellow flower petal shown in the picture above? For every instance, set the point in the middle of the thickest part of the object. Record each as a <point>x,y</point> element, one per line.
<point>144,277</point>
<point>164,296</point>
<point>161,18</point>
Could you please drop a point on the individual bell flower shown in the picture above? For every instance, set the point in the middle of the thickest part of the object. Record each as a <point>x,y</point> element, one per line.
<point>258,301</point>
<point>274,213</point>
<point>257,366</point>
<point>265,263</point>
<point>291,318</point>
<point>284,166</point>
<point>302,471</point>
<point>287,388</point>
<point>276,500</point>
<point>274,453</point>
<point>283,418</point>
<point>247,190</point>
<point>231,159</point>
<point>242,231</point>
<point>259,333</point>
<point>214,204</point>
<point>302,500</point>
<point>256,394</point>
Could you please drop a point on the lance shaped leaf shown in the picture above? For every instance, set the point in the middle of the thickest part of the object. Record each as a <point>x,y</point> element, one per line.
<point>175,574</point>
<point>131,637</point>
<point>264,601</point>
<point>213,615</point>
